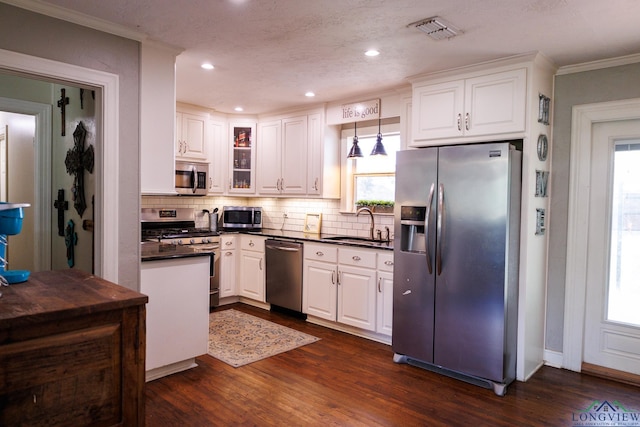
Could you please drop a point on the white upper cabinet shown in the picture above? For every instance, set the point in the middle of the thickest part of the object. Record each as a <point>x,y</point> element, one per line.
<point>218,156</point>
<point>490,104</point>
<point>191,136</point>
<point>282,155</point>
<point>323,164</point>
<point>269,157</point>
<point>242,158</point>
<point>157,110</point>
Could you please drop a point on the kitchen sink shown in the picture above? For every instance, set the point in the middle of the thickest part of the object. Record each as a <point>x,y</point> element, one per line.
<point>355,240</point>
<point>350,239</point>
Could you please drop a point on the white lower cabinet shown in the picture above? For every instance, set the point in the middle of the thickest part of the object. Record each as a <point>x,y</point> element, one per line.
<point>384,289</point>
<point>342,284</point>
<point>177,312</point>
<point>252,268</point>
<point>227,271</point>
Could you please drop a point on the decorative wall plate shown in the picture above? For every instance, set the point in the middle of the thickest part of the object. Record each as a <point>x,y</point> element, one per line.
<point>543,147</point>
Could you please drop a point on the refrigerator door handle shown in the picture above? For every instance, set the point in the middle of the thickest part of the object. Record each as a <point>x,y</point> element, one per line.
<point>426,227</point>
<point>440,229</point>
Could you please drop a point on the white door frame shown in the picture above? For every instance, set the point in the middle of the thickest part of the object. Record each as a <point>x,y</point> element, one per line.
<point>583,118</point>
<point>42,174</point>
<point>107,205</point>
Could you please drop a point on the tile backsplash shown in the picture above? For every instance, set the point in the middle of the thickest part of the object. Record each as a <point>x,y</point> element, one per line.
<point>280,214</point>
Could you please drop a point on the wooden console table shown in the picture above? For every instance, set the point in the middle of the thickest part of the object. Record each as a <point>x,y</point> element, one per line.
<point>72,352</point>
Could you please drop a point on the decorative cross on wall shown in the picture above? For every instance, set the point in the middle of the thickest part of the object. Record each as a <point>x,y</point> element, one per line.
<point>61,205</point>
<point>70,240</point>
<point>62,103</point>
<point>78,159</point>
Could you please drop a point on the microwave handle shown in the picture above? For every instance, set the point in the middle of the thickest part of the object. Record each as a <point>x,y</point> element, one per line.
<point>194,180</point>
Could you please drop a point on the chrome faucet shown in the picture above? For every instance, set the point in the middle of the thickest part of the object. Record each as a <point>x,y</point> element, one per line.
<point>359,211</point>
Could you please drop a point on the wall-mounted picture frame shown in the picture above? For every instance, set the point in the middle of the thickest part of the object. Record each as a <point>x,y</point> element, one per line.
<point>542,182</point>
<point>542,147</point>
<point>312,223</point>
<point>544,103</point>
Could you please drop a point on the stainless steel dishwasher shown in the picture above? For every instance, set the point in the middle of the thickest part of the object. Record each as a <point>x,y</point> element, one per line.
<point>283,259</point>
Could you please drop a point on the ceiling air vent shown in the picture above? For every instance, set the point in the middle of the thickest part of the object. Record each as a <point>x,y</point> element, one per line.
<point>436,28</point>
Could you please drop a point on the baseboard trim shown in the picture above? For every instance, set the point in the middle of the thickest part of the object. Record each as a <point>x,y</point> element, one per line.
<point>610,374</point>
<point>553,358</point>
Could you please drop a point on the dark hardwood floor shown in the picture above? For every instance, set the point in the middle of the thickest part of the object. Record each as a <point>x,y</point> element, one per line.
<point>343,380</point>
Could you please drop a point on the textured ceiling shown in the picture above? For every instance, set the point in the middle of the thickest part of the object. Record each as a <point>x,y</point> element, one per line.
<point>268,53</point>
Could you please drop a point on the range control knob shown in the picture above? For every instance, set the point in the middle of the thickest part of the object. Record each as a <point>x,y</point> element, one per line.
<point>192,241</point>
<point>179,241</point>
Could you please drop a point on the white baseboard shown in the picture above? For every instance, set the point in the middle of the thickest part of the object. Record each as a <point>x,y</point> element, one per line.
<point>553,358</point>
<point>163,371</point>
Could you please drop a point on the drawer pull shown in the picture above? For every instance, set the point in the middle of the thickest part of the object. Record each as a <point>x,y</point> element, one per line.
<point>388,263</point>
<point>251,243</point>
<point>356,258</point>
<point>228,243</point>
<point>228,253</point>
<point>320,253</point>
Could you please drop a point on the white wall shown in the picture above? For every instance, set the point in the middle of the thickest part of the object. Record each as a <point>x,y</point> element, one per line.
<point>40,36</point>
<point>609,84</point>
<point>20,176</point>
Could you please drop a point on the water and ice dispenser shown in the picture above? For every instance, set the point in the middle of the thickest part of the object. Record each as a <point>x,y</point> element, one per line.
<point>412,228</point>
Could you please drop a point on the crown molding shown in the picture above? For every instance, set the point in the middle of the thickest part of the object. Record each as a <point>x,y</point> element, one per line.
<point>69,15</point>
<point>600,64</point>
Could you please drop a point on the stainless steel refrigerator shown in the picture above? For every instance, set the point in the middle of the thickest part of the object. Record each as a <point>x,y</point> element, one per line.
<point>457,225</point>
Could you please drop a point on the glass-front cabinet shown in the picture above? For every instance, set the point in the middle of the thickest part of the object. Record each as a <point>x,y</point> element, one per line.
<point>243,153</point>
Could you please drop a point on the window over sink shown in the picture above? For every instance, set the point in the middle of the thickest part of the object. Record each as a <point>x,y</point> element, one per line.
<point>369,178</point>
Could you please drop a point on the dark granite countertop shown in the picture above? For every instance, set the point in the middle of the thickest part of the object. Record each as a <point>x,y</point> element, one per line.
<point>319,238</point>
<point>154,251</point>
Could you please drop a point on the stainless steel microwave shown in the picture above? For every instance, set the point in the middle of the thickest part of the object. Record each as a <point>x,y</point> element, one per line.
<point>241,217</point>
<point>191,178</point>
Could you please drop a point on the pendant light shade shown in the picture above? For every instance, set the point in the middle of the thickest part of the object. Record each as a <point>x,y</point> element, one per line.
<point>378,148</point>
<point>355,148</point>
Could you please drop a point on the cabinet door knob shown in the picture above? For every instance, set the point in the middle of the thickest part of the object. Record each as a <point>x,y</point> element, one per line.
<point>466,121</point>
<point>380,284</point>
<point>459,122</point>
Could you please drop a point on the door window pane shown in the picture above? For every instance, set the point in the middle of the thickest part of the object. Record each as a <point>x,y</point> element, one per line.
<point>624,268</point>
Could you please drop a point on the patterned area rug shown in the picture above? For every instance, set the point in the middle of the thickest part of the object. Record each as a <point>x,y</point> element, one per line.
<point>238,338</point>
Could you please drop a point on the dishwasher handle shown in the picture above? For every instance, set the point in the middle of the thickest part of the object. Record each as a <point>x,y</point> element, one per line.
<point>284,248</point>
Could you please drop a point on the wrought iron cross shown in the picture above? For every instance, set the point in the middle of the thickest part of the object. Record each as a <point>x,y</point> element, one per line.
<point>78,159</point>
<point>62,103</point>
<point>61,205</point>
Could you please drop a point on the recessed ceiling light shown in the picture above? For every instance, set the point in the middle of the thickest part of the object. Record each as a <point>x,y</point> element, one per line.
<point>207,66</point>
<point>309,94</point>
<point>372,52</point>
<point>239,109</point>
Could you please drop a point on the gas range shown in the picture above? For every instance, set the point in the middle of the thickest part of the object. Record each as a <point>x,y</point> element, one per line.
<point>175,226</point>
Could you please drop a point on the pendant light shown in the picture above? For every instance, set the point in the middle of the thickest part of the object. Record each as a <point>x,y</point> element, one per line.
<point>378,148</point>
<point>355,149</point>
